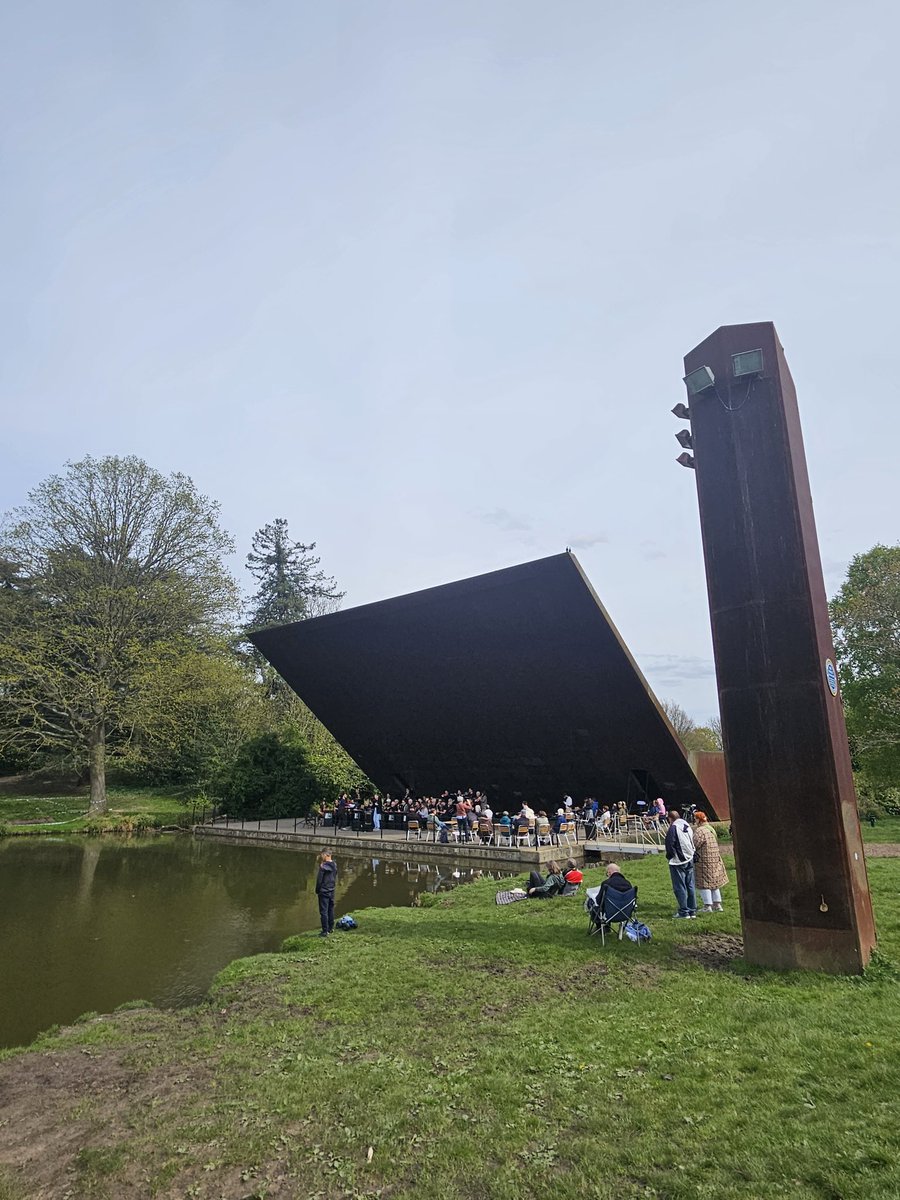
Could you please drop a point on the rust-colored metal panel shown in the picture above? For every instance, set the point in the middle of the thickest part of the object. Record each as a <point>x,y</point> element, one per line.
<point>801,869</point>
<point>516,681</point>
<point>709,767</point>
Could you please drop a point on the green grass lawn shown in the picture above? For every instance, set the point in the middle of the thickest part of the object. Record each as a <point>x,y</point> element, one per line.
<point>30,809</point>
<point>885,829</point>
<point>482,1052</point>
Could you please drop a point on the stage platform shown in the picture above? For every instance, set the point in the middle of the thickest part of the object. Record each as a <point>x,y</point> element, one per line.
<point>396,845</point>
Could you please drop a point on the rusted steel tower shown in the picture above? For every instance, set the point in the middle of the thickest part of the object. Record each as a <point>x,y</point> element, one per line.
<point>802,875</point>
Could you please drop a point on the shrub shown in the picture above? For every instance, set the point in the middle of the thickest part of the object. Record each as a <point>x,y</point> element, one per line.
<point>272,777</point>
<point>874,799</point>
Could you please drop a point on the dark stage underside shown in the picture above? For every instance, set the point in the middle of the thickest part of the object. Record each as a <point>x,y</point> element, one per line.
<point>515,682</point>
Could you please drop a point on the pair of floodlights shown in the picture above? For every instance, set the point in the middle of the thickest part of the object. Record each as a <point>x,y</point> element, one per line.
<point>749,363</point>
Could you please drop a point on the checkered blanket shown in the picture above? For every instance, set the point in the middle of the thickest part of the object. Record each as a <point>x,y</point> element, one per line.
<point>512,896</point>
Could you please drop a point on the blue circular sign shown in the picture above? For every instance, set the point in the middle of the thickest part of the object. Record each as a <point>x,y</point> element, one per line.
<point>831,676</point>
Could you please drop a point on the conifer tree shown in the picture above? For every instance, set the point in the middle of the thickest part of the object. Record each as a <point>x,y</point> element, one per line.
<point>291,585</point>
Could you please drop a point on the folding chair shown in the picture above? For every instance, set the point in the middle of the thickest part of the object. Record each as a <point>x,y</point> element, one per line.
<point>565,831</point>
<point>412,829</point>
<point>523,833</point>
<point>503,833</point>
<point>618,907</point>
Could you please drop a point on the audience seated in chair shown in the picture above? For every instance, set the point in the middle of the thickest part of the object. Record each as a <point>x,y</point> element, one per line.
<point>615,880</point>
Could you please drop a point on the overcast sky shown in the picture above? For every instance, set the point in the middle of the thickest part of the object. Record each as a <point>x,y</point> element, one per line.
<point>419,275</point>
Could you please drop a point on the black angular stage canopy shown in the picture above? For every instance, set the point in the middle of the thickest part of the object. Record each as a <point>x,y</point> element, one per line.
<point>515,682</point>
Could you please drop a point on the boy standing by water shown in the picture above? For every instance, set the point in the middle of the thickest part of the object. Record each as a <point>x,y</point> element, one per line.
<point>326,881</point>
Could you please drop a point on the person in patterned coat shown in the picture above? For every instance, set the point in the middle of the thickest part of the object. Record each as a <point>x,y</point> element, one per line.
<point>710,875</point>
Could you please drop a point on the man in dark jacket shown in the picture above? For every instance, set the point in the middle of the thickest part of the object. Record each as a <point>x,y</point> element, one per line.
<point>615,881</point>
<point>326,881</point>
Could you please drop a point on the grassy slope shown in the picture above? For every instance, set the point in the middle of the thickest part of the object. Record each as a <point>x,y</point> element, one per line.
<point>66,812</point>
<point>494,1053</point>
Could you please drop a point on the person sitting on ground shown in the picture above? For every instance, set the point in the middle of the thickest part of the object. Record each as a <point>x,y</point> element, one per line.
<point>540,888</point>
<point>572,873</point>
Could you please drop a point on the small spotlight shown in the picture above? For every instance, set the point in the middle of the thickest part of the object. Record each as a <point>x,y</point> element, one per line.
<point>748,362</point>
<point>682,412</point>
<point>684,439</point>
<point>699,381</point>
<point>686,460</point>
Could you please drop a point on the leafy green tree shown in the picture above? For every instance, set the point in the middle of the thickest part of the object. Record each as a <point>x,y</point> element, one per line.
<point>271,776</point>
<point>198,707</point>
<point>291,587</point>
<point>865,614</point>
<point>114,573</point>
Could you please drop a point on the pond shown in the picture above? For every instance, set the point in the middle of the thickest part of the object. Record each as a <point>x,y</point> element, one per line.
<point>87,924</point>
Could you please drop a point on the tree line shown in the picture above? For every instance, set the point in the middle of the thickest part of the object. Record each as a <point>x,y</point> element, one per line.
<point>123,640</point>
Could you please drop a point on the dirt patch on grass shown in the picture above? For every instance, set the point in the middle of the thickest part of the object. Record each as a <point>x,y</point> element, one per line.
<point>588,978</point>
<point>64,1111</point>
<point>644,974</point>
<point>715,951</point>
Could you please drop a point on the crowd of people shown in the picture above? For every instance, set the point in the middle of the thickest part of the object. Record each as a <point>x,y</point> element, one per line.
<point>469,816</point>
<point>691,848</point>
<point>692,851</point>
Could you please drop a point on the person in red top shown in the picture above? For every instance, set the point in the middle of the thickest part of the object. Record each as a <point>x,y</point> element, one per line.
<point>572,873</point>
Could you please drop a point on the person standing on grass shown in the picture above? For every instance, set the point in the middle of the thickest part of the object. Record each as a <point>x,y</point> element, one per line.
<point>710,875</point>
<point>326,881</point>
<point>680,853</point>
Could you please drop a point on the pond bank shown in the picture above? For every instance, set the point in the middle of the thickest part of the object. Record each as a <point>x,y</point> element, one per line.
<point>463,1050</point>
<point>90,923</point>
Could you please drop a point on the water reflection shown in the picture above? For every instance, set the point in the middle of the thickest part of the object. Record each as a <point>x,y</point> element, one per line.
<point>88,924</point>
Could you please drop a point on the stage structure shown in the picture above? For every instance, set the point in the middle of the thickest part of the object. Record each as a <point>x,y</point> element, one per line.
<point>801,870</point>
<point>515,681</point>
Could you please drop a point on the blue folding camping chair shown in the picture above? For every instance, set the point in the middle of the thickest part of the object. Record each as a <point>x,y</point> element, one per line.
<point>617,909</point>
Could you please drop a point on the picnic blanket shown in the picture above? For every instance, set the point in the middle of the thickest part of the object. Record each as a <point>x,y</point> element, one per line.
<point>511,896</point>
